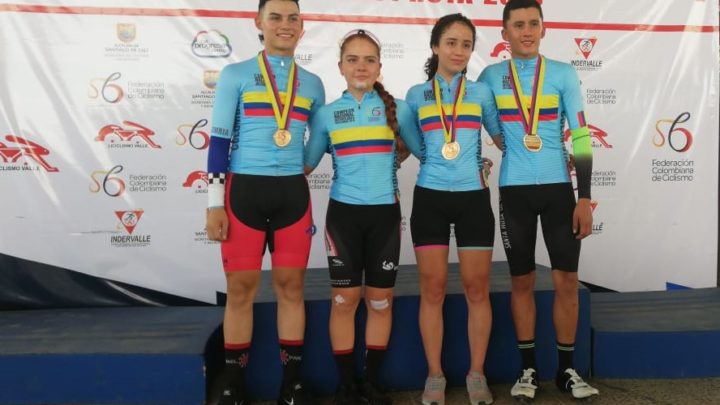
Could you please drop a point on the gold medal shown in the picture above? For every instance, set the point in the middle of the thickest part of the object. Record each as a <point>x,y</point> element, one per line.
<point>282,137</point>
<point>533,143</point>
<point>530,114</point>
<point>281,108</point>
<point>450,150</point>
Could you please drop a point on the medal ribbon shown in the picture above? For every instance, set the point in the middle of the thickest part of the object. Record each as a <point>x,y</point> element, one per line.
<point>449,128</point>
<point>529,114</point>
<point>282,117</point>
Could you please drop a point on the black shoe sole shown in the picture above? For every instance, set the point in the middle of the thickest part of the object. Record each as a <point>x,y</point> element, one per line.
<point>523,399</point>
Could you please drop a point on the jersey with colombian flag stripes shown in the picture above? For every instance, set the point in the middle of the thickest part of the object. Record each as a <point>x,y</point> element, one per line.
<point>477,108</point>
<point>561,100</point>
<point>362,147</point>
<point>243,121</point>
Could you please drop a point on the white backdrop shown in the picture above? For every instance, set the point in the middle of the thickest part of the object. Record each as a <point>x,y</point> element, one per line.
<point>105,109</point>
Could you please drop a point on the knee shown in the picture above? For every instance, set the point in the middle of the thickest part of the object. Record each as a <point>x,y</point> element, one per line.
<point>433,292</point>
<point>344,304</point>
<point>379,306</point>
<point>240,292</point>
<point>476,293</point>
<point>566,285</point>
<point>523,285</point>
<point>289,290</point>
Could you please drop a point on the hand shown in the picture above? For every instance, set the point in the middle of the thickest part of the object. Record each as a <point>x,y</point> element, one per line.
<point>487,165</point>
<point>402,152</point>
<point>571,162</point>
<point>582,219</point>
<point>217,224</point>
<point>499,142</point>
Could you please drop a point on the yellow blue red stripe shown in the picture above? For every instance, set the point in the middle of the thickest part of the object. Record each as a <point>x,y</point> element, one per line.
<point>359,140</point>
<point>257,104</point>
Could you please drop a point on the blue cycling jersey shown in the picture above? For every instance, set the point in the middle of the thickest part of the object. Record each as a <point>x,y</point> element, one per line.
<point>561,100</point>
<point>477,108</point>
<point>362,147</point>
<point>243,122</point>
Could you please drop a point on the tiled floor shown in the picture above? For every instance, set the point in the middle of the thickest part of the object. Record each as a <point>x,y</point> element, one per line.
<point>625,392</point>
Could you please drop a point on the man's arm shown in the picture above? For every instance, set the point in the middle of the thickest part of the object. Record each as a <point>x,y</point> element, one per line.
<point>572,100</point>
<point>227,98</point>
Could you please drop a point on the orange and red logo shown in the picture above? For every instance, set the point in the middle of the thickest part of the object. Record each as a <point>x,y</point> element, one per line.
<point>674,131</point>
<point>198,176</point>
<point>110,92</point>
<point>586,45</point>
<point>129,219</point>
<point>593,205</point>
<point>596,134</point>
<point>191,134</point>
<point>126,134</point>
<point>26,149</point>
<point>501,51</point>
<point>112,185</point>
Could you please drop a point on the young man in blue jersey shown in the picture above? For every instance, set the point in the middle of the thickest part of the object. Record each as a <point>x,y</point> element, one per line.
<point>535,97</point>
<point>258,194</point>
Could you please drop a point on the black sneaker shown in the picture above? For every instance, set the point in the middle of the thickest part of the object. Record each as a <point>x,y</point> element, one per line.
<point>231,395</point>
<point>570,381</point>
<point>375,395</point>
<point>297,395</point>
<point>348,395</point>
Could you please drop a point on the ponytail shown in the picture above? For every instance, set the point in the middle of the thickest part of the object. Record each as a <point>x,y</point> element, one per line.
<point>431,66</point>
<point>390,107</point>
<point>392,122</point>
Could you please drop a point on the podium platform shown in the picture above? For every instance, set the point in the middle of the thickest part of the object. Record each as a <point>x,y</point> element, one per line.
<point>106,355</point>
<point>172,355</point>
<point>405,367</point>
<point>657,334</point>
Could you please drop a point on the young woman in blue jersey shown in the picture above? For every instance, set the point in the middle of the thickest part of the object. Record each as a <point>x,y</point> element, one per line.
<point>361,131</point>
<point>258,194</point>
<point>451,191</point>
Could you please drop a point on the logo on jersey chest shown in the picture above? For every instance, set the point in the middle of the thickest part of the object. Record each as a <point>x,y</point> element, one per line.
<point>344,116</point>
<point>259,80</point>
<point>429,95</point>
<point>376,115</point>
<point>506,82</point>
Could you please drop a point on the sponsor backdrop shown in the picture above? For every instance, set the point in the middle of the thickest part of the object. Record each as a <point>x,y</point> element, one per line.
<point>104,127</point>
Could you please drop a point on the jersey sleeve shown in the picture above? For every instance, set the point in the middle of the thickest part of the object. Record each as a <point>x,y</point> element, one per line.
<point>318,99</point>
<point>572,102</point>
<point>494,130</point>
<point>227,100</point>
<point>409,131</point>
<point>484,76</point>
<point>413,101</point>
<point>319,140</point>
<point>489,111</point>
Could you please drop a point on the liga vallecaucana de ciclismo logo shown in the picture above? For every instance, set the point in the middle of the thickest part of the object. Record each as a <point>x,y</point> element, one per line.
<point>18,154</point>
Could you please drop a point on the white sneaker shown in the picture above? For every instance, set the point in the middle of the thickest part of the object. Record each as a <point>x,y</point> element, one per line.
<point>525,386</point>
<point>570,381</point>
<point>434,393</point>
<point>478,390</point>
